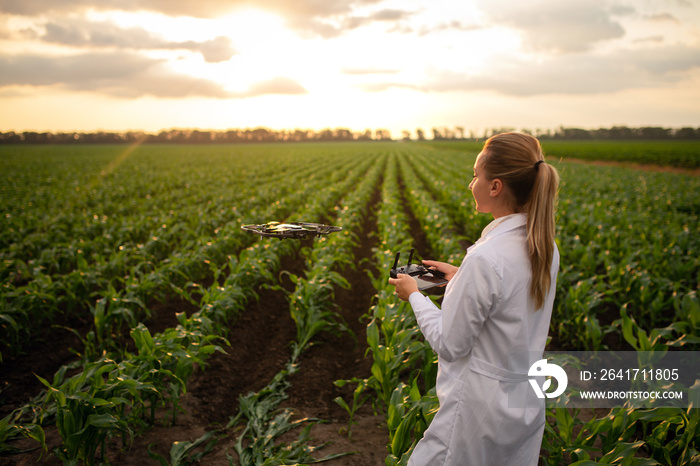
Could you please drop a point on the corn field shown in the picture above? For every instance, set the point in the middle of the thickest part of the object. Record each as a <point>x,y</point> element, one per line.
<point>134,257</point>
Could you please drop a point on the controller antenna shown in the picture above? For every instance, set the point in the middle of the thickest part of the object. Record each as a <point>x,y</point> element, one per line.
<point>392,272</point>
<point>396,262</point>
<point>410,257</point>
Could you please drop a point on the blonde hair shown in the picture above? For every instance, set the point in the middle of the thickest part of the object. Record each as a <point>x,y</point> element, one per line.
<point>518,161</point>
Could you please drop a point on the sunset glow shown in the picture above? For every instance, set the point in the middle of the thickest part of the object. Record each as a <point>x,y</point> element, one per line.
<point>372,64</point>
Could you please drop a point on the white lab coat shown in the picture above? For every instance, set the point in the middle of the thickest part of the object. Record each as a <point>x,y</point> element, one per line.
<point>486,336</point>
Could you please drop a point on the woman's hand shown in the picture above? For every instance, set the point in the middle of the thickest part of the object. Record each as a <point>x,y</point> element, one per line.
<point>405,285</point>
<point>448,269</point>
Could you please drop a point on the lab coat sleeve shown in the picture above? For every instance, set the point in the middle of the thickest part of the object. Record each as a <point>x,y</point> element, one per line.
<point>468,301</point>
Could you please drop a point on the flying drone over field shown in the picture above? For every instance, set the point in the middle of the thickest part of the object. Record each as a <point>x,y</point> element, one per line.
<point>290,230</point>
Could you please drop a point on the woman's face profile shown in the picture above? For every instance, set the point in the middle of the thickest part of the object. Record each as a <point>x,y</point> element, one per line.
<point>480,187</point>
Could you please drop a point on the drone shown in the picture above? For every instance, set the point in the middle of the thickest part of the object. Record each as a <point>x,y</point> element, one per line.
<point>299,230</point>
<point>426,278</point>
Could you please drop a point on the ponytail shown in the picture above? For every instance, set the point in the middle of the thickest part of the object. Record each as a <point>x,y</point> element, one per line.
<point>540,230</point>
<point>518,161</point>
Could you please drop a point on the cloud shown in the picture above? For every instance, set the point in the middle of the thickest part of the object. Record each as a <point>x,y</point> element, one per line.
<point>365,71</point>
<point>278,85</point>
<point>314,18</point>
<point>354,22</point>
<point>329,24</point>
<point>621,10</point>
<point>564,26</point>
<point>214,50</point>
<point>447,26</point>
<point>198,9</point>
<point>649,39</point>
<point>567,74</point>
<point>390,15</point>
<point>663,17</point>
<point>661,61</point>
<point>120,74</point>
<point>123,74</point>
<point>82,33</point>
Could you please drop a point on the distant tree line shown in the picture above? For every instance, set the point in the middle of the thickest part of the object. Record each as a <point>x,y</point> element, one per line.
<point>194,136</point>
<point>615,132</point>
<point>623,132</point>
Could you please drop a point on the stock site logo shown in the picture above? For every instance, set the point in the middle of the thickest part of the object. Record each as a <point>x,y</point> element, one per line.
<point>542,368</point>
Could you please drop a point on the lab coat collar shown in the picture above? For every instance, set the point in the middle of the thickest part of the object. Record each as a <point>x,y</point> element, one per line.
<point>503,224</point>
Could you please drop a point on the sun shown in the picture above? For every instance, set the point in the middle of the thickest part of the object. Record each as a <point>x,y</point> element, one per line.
<point>264,48</point>
<point>249,28</point>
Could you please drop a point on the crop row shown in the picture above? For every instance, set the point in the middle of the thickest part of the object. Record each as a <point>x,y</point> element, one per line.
<point>312,310</point>
<point>403,363</point>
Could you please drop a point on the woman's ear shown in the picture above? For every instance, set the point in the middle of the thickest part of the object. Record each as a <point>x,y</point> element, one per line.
<point>496,187</point>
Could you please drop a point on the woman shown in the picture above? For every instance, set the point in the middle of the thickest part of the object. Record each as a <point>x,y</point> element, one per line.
<point>495,315</point>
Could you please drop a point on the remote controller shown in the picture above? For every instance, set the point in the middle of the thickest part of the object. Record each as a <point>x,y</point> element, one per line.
<point>426,278</point>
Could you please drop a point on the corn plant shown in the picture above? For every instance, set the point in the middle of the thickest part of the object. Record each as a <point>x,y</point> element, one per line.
<point>359,398</point>
<point>672,434</point>
<point>396,345</point>
<point>408,415</point>
<point>670,437</point>
<point>88,408</point>
<point>10,430</point>
<point>265,423</point>
<point>182,453</point>
<point>309,303</point>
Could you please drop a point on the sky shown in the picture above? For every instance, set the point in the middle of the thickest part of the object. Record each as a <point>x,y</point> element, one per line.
<point>400,65</point>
